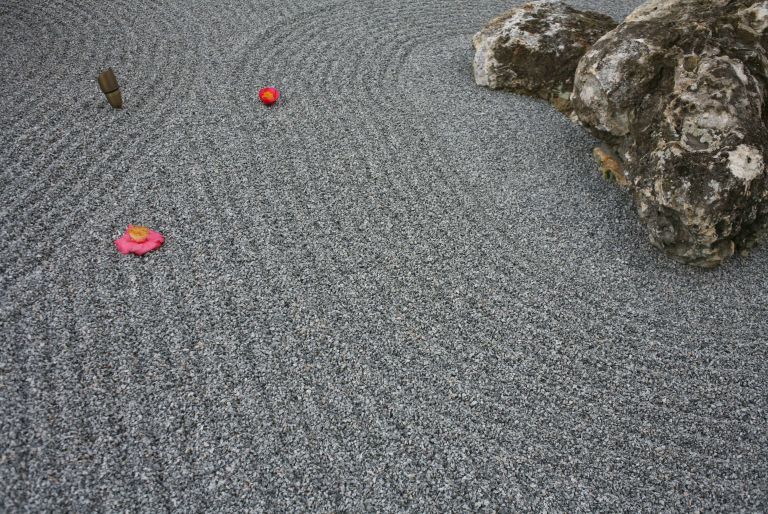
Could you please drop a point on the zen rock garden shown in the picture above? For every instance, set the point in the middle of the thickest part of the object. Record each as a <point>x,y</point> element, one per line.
<point>677,94</point>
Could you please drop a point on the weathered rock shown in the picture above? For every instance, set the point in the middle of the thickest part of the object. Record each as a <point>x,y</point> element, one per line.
<point>679,90</point>
<point>534,49</point>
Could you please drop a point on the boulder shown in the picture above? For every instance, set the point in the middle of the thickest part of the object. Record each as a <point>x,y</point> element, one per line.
<point>534,49</point>
<point>679,90</point>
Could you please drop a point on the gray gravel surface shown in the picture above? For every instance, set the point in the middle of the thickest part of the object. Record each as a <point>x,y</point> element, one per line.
<point>393,291</point>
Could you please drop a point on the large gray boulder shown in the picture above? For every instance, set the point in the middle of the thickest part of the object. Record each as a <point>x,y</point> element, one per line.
<point>679,91</point>
<point>534,49</point>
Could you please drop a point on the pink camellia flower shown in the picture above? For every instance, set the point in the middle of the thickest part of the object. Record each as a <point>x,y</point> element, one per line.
<point>139,240</point>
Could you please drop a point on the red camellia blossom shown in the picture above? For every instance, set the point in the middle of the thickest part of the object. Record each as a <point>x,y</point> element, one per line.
<point>268,95</point>
<point>139,240</point>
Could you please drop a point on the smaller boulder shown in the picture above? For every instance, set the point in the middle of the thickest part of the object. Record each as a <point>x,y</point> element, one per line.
<point>534,49</point>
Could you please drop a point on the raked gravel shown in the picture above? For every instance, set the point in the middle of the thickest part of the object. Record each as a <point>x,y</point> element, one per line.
<point>393,291</point>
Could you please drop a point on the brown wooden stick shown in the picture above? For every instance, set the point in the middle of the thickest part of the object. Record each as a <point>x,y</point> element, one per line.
<point>110,88</point>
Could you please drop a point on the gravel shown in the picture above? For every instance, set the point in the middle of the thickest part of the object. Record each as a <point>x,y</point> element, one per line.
<point>392,291</point>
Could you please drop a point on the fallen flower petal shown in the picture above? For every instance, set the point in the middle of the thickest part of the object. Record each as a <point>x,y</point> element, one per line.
<point>139,240</point>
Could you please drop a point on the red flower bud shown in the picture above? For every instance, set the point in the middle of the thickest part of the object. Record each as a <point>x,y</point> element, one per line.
<point>268,95</point>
